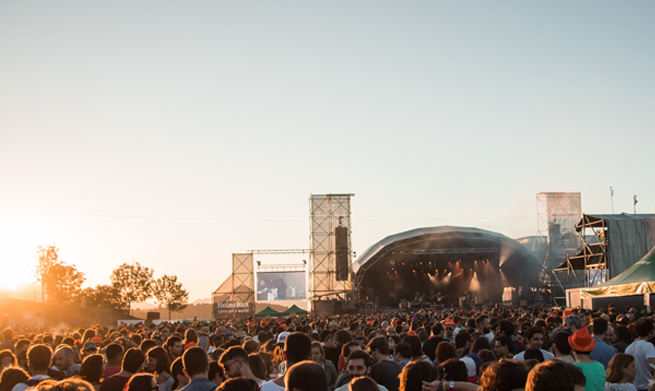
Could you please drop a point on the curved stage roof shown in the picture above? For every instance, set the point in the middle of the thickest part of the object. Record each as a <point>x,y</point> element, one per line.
<point>424,258</point>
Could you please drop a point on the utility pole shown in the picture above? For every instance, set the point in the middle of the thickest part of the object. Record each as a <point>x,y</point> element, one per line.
<point>612,198</point>
<point>634,203</point>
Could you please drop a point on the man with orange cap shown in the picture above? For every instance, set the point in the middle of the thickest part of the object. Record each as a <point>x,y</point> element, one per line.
<point>581,345</point>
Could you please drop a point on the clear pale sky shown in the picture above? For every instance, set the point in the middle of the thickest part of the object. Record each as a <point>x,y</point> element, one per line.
<point>176,133</point>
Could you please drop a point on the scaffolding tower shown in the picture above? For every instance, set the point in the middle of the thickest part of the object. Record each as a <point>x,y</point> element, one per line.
<point>557,217</point>
<point>327,212</point>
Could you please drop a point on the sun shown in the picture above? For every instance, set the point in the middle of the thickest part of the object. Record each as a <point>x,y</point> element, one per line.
<point>18,243</point>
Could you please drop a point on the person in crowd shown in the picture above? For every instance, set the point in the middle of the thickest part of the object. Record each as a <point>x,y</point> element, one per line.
<point>452,369</point>
<point>297,348</point>
<point>132,362</point>
<point>503,347</point>
<point>621,372</point>
<point>643,351</point>
<point>384,371</point>
<point>623,338</point>
<point>258,366</point>
<point>535,340</point>
<point>157,363</point>
<point>38,361</point>
<point>318,356</point>
<point>417,353</point>
<point>533,354</point>
<point>180,378</point>
<point>88,349</point>
<point>196,367</point>
<point>64,360</point>
<point>114,353</point>
<point>238,384</point>
<point>7,359</point>
<point>306,376</point>
<point>602,352</point>
<point>173,347</point>
<point>363,383</point>
<point>561,347</point>
<point>572,323</point>
<point>582,344</point>
<point>483,326</point>
<point>216,374</point>
<point>449,326</point>
<point>414,374</point>
<point>8,340</point>
<point>504,375</point>
<point>358,364</point>
<point>556,375</point>
<point>403,354</point>
<point>141,382</point>
<point>92,370</point>
<point>430,346</point>
<point>12,376</point>
<point>235,364</point>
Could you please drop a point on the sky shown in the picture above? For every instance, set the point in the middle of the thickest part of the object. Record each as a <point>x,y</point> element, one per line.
<point>174,134</point>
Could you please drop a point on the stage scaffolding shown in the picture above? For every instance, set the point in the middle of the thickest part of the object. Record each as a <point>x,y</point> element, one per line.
<point>235,298</point>
<point>557,216</point>
<point>611,244</point>
<point>328,211</point>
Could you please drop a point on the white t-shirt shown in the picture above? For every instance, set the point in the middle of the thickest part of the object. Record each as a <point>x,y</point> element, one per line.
<point>270,386</point>
<point>641,350</point>
<point>547,355</point>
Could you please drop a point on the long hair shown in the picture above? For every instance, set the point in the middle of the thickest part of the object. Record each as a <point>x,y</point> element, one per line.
<point>163,363</point>
<point>257,366</point>
<point>616,366</point>
<point>92,368</point>
<point>415,373</point>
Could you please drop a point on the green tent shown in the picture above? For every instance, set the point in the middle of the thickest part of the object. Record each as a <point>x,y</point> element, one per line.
<point>295,309</point>
<point>638,279</point>
<point>268,311</point>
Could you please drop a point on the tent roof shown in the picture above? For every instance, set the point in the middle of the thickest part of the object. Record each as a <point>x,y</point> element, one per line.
<point>268,311</point>
<point>295,309</point>
<point>642,271</point>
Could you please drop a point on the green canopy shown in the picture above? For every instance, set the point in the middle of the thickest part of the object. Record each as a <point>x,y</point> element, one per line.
<point>638,279</point>
<point>268,311</point>
<point>295,309</point>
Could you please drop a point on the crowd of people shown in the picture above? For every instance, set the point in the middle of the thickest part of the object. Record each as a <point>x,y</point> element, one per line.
<point>485,349</point>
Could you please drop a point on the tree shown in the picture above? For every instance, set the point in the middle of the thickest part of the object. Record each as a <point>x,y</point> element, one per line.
<point>45,258</point>
<point>134,282</point>
<point>170,294</point>
<point>61,282</point>
<point>102,296</point>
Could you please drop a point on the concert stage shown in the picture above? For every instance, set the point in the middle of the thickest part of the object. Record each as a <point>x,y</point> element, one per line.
<point>449,266</point>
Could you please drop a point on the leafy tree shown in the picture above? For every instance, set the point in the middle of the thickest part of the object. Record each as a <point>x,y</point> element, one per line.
<point>102,296</point>
<point>170,294</point>
<point>45,258</point>
<point>134,282</point>
<point>61,282</point>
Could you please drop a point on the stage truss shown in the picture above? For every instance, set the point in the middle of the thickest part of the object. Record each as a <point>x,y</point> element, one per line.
<point>557,217</point>
<point>328,211</point>
<point>236,297</point>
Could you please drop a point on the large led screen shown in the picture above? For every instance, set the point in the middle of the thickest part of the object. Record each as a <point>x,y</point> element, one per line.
<point>281,286</point>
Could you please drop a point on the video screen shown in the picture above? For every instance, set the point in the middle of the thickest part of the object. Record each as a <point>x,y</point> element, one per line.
<point>281,286</point>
